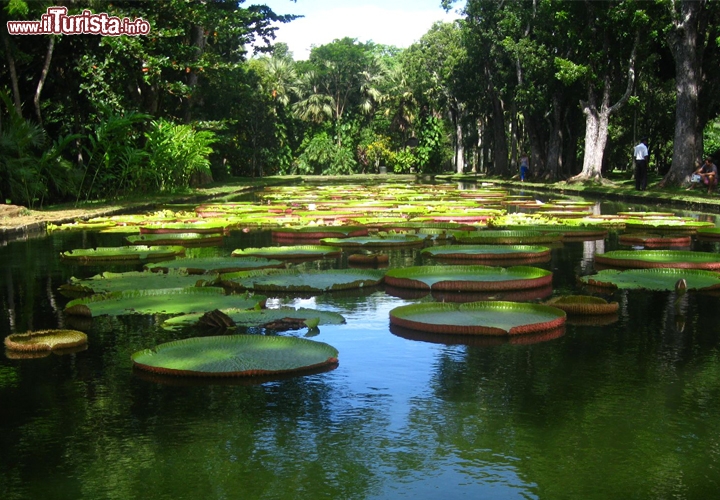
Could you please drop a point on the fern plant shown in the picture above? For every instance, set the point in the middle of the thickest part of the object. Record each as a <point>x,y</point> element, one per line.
<point>175,152</point>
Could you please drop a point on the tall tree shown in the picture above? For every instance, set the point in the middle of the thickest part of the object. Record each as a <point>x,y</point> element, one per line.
<point>688,39</point>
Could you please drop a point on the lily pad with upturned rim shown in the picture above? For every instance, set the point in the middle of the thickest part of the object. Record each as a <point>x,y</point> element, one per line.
<point>469,278</point>
<point>182,239</point>
<point>295,280</point>
<point>500,237</point>
<point>583,305</point>
<point>235,356</point>
<point>45,340</point>
<point>163,301</point>
<point>478,318</point>
<point>646,259</point>
<point>289,252</point>
<point>488,252</point>
<point>655,241</point>
<point>133,280</point>
<point>218,265</point>
<point>652,279</point>
<point>318,232</point>
<point>131,253</point>
<point>391,240</point>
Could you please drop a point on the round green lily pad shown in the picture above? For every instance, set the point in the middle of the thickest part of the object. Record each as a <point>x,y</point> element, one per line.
<point>137,252</point>
<point>655,240</point>
<point>283,318</point>
<point>583,305</point>
<point>645,259</point>
<point>478,318</point>
<point>468,278</point>
<point>500,237</point>
<point>653,279</point>
<point>289,252</point>
<point>677,225</point>
<point>185,227</point>
<point>488,252</point>
<point>235,356</point>
<point>294,280</point>
<point>709,233</point>
<point>202,265</point>
<point>162,301</point>
<point>318,232</point>
<point>133,280</point>
<point>183,239</point>
<point>45,340</point>
<point>389,240</point>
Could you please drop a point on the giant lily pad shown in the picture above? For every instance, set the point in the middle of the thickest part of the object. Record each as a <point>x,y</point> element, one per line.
<point>294,280</point>
<point>489,252</point>
<point>318,232</point>
<point>138,252</point>
<point>45,340</point>
<point>186,227</point>
<point>677,225</point>
<point>655,240</point>
<point>235,355</point>
<point>709,233</point>
<point>289,252</point>
<point>203,265</point>
<point>645,259</point>
<point>163,301</point>
<point>468,278</point>
<point>478,318</point>
<point>500,237</point>
<point>134,280</point>
<point>653,279</point>
<point>381,240</point>
<point>183,239</point>
<point>583,305</point>
<point>283,318</point>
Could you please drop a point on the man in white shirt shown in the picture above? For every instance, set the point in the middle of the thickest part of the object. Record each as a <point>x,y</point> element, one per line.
<point>641,164</point>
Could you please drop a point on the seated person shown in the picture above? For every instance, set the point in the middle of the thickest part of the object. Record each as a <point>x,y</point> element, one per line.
<point>708,175</point>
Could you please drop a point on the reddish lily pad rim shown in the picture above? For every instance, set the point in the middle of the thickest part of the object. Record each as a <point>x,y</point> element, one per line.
<point>549,318</point>
<point>517,278</point>
<point>586,305</point>
<point>647,259</point>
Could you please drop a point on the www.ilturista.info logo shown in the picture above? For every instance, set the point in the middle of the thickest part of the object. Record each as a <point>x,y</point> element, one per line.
<point>57,22</point>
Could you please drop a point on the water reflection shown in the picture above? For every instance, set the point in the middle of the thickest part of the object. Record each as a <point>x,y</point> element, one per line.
<point>625,410</point>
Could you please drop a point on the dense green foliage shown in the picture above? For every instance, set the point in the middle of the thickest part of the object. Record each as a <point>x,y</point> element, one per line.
<point>572,85</point>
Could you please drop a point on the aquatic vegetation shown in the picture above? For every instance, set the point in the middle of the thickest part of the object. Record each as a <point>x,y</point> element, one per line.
<point>478,318</point>
<point>235,356</point>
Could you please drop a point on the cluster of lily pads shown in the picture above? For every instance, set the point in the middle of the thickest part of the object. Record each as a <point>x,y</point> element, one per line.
<point>481,246</point>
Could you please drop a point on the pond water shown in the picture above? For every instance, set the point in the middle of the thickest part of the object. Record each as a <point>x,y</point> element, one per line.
<point>626,410</point>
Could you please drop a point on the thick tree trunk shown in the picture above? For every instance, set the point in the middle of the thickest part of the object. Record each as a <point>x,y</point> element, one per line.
<point>198,43</point>
<point>687,52</point>
<point>500,149</point>
<point>459,155</point>
<point>459,149</point>
<point>537,151</point>
<point>596,122</point>
<point>13,71</point>
<point>596,132</point>
<point>554,158</point>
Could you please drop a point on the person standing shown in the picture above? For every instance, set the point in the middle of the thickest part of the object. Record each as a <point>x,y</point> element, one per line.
<point>641,164</point>
<point>524,168</point>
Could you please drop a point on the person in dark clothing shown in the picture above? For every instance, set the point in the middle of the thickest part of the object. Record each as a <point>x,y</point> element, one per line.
<point>641,164</point>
